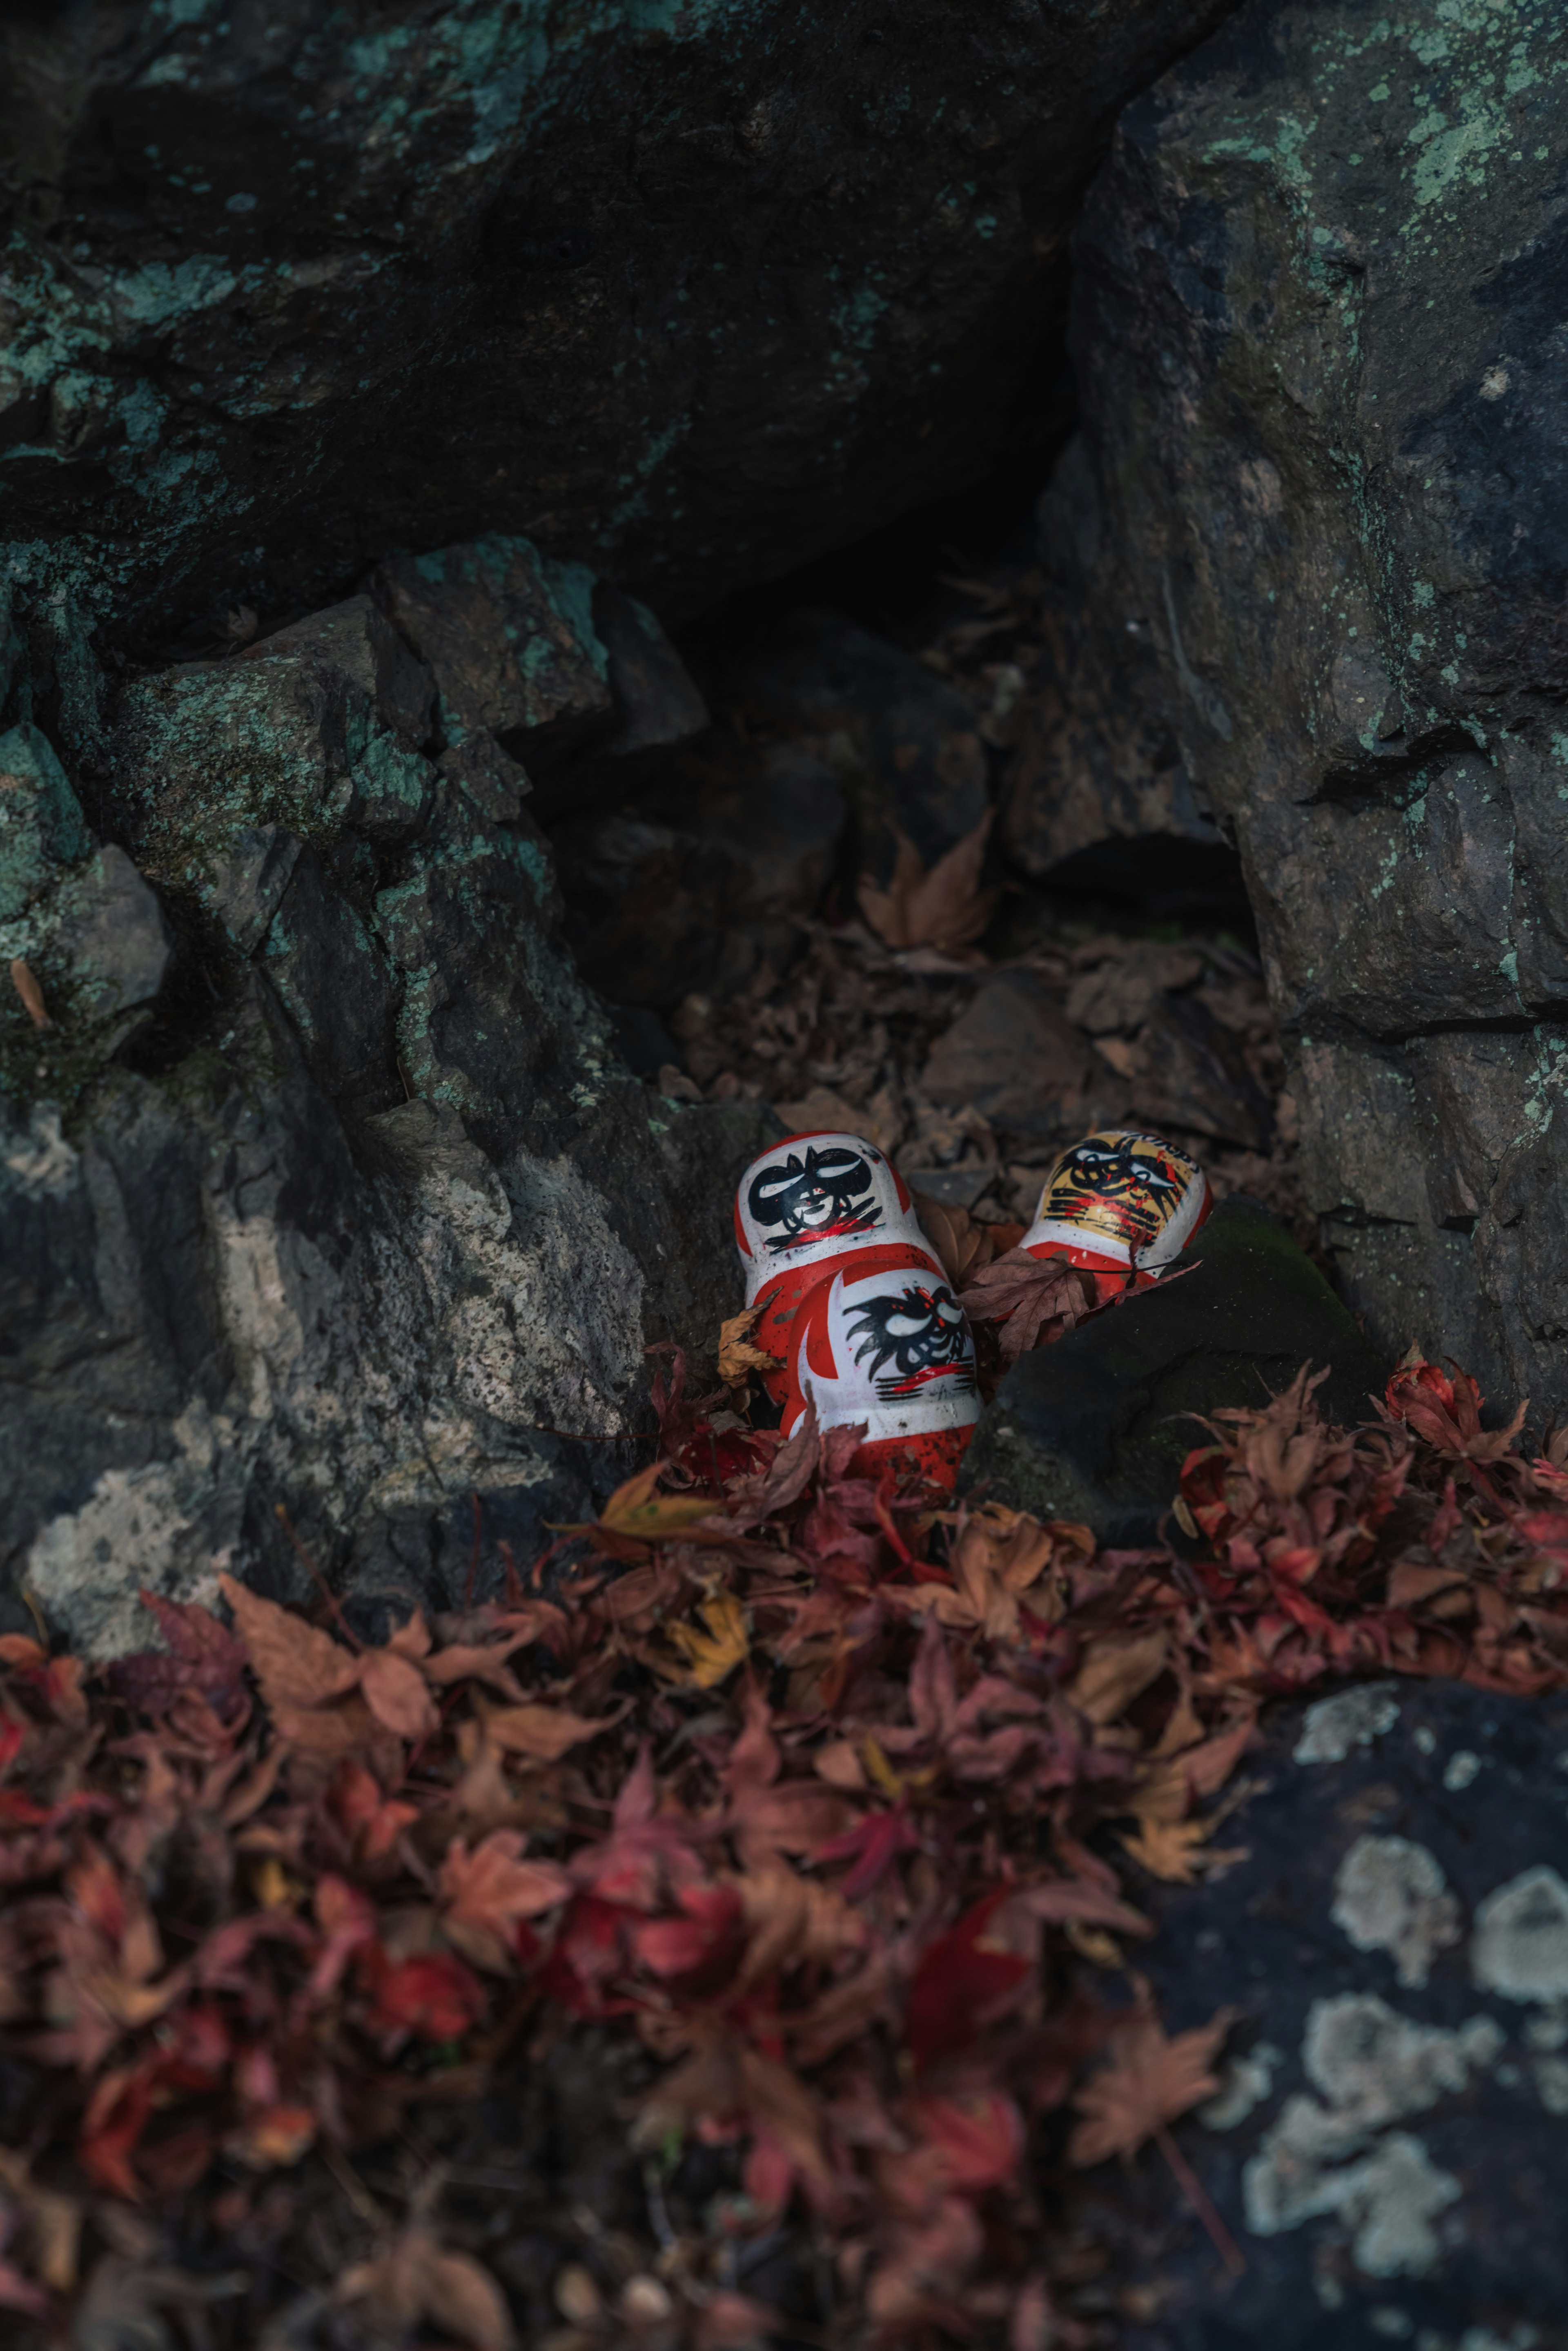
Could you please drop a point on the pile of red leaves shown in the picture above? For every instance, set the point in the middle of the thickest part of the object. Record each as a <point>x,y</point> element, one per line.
<point>807,1784</point>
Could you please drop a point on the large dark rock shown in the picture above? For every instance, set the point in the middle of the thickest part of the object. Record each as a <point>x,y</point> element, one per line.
<point>1096,1427</point>
<point>1385,2148</point>
<point>693,290</point>
<point>1325,424</point>
<point>323,1184</point>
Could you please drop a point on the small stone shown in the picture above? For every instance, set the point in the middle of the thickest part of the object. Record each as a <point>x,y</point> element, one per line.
<point>360,640</point>
<point>658,700</point>
<point>1014,1055</point>
<point>113,934</point>
<point>509,638</point>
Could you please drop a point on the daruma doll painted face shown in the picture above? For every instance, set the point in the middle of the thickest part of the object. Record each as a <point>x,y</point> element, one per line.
<point>815,1196</point>
<point>1120,1201</point>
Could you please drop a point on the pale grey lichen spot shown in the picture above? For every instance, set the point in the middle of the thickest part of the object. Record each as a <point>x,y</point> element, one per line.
<point>1388,2319</point>
<point>1391,1895</point>
<point>1520,1947</point>
<point>88,1567</point>
<point>1548,2028</point>
<point>1353,1718</point>
<point>1426,1738</point>
<point>1552,2083</point>
<point>1462,1768</point>
<point>1375,2066</point>
<point>1244,2083</point>
<point>1372,2067</point>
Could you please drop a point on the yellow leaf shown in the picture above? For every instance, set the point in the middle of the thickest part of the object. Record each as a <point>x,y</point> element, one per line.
<point>712,1656</point>
<point>1174,1850</point>
<point>737,1355</point>
<point>635,1513</point>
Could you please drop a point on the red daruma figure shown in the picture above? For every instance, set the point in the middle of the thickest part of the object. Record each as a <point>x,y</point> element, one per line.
<point>824,1218</point>
<point>1120,1203</point>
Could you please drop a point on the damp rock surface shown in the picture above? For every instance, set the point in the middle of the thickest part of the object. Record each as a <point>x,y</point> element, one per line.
<point>323,1186</point>
<point>1386,2145</point>
<point>1320,517</point>
<point>1095,1428</point>
<point>693,292</point>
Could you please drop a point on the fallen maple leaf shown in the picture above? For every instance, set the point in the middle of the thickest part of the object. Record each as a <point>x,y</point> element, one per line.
<point>486,1892</point>
<point>945,908</point>
<point>737,1355</point>
<point>296,1664</point>
<point>960,1242</point>
<point>1035,1300</point>
<point>637,1515</point>
<point>1448,1413</point>
<point>416,2278</point>
<point>1147,2080</point>
<point>713,1654</point>
<point>544,1732</point>
<point>1174,1850</point>
<point>202,1655</point>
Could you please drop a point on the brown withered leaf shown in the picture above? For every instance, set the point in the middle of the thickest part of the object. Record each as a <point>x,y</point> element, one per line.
<point>637,1515</point>
<point>963,1244</point>
<point>417,2279</point>
<point>945,908</point>
<point>737,1355</point>
<point>396,1695</point>
<point>296,1664</point>
<point>27,986</point>
<point>1147,2080</point>
<point>543,1733</point>
<point>1035,1300</point>
<point>485,1894</point>
<point>1117,1669</point>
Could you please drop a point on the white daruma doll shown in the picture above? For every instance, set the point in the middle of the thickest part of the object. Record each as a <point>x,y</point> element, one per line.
<point>856,1309</point>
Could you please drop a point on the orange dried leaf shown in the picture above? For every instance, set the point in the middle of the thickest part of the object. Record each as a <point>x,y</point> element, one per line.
<point>945,908</point>
<point>737,1355</point>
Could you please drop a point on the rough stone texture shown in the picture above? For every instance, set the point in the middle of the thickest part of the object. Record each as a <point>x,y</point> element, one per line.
<point>694,290</point>
<point>325,1186</point>
<point>1386,2143</point>
<point>1317,333</point>
<point>1096,1427</point>
<point>1014,1054</point>
<point>1100,757</point>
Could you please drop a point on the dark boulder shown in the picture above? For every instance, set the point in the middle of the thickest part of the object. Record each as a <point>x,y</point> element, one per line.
<point>1096,1427</point>
<point>1385,2148</point>
<point>1324,480</point>
<point>693,291</point>
<point>321,1182</point>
